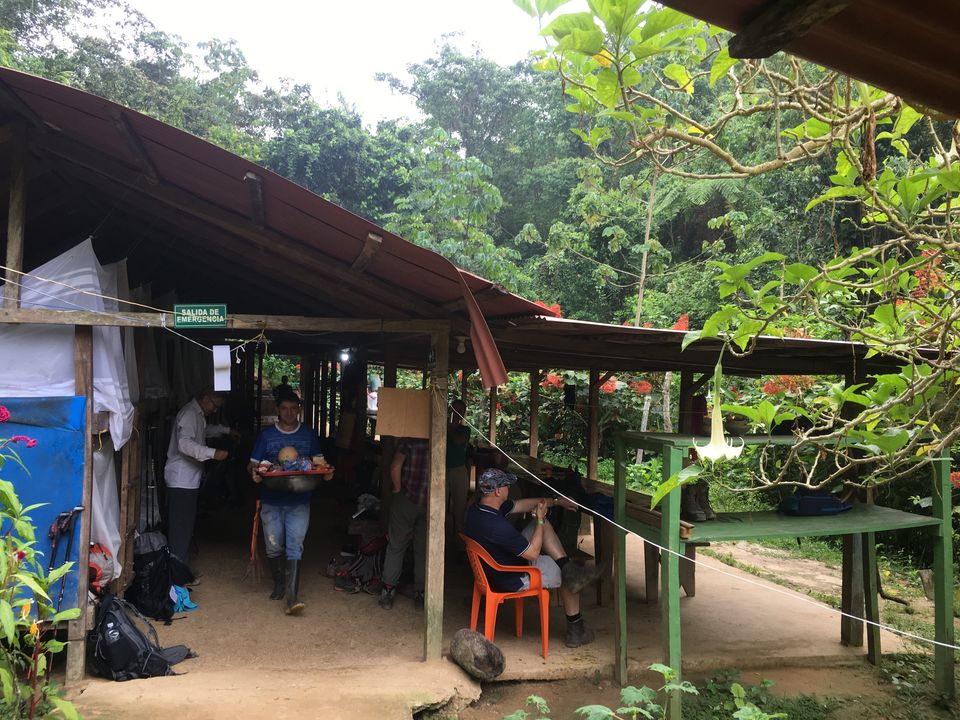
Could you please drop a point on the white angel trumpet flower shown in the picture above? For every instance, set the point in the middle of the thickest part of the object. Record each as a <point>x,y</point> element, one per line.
<point>718,448</point>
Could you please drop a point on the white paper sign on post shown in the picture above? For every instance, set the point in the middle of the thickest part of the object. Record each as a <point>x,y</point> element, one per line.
<point>221,368</point>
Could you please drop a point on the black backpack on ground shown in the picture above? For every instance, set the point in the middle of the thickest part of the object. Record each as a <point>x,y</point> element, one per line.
<point>117,649</point>
<point>155,572</point>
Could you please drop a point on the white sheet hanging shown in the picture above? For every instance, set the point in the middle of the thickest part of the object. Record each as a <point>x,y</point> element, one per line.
<point>37,360</point>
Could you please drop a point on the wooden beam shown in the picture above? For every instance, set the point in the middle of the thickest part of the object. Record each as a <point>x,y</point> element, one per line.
<point>269,240</point>
<point>436,505</point>
<point>593,424</point>
<point>535,413</point>
<point>257,211</point>
<point>16,217</point>
<point>43,316</point>
<point>11,101</point>
<point>492,419</point>
<point>780,23</point>
<point>135,144</point>
<point>83,385</point>
<point>371,246</point>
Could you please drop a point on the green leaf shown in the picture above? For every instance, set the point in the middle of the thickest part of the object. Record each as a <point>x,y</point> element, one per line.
<point>64,707</point>
<point>7,622</point>
<point>631,695</point>
<point>668,673</point>
<point>595,712</point>
<point>837,191</point>
<point>799,273</point>
<point>587,42</point>
<point>678,73</point>
<point>58,573</point>
<point>906,120</point>
<point>526,6</point>
<point>32,584</point>
<point>674,481</point>
<point>659,20</point>
<point>689,337</point>
<point>608,88</point>
<point>721,63</point>
<point>6,679</point>
<point>71,614</point>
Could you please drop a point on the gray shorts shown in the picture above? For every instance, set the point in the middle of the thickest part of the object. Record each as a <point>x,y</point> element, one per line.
<point>549,570</point>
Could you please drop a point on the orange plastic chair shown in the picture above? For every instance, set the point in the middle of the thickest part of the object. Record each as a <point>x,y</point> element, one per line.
<point>492,599</point>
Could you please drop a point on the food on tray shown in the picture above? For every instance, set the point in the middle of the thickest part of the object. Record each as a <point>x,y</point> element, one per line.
<point>287,454</point>
<point>287,463</point>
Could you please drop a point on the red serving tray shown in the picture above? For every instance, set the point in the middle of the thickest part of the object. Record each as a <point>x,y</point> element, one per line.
<point>283,473</point>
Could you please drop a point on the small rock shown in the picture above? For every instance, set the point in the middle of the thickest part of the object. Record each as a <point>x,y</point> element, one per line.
<point>476,655</point>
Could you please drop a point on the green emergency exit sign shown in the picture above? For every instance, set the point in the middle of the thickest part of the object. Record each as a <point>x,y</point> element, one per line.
<point>199,316</point>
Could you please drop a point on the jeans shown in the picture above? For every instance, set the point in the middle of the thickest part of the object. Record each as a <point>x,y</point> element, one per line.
<point>284,527</point>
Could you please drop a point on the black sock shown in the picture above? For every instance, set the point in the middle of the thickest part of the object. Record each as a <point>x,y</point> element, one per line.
<point>562,561</point>
<point>574,618</point>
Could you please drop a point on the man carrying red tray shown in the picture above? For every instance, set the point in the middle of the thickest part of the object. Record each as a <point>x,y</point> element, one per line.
<point>285,515</point>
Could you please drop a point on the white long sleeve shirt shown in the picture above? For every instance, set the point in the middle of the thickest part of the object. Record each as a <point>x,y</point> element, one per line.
<point>188,449</point>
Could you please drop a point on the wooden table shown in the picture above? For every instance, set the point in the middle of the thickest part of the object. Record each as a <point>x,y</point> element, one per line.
<point>863,521</point>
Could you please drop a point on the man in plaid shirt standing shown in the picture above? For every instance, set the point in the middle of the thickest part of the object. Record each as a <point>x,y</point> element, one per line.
<point>410,477</point>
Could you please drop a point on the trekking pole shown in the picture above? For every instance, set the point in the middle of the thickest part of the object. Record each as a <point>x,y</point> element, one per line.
<point>54,533</point>
<point>81,576</point>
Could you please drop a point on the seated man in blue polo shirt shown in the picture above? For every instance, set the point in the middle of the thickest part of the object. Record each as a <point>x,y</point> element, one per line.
<point>537,545</point>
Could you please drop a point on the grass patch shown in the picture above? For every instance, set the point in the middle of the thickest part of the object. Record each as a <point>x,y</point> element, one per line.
<point>715,700</point>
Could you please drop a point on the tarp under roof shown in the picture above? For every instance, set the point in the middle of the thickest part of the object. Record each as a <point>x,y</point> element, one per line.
<point>909,48</point>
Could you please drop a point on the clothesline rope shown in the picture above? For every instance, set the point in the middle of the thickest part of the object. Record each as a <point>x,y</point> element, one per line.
<point>741,578</point>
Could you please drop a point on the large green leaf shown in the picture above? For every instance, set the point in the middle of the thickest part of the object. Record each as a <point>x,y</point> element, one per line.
<point>676,480</point>
<point>837,191</point>
<point>661,19</point>
<point>679,74</point>
<point>608,87</point>
<point>721,63</point>
<point>7,623</point>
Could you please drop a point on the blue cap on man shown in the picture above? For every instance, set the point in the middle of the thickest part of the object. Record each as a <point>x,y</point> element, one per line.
<point>493,478</point>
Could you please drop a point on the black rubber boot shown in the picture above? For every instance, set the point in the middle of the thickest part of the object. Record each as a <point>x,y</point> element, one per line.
<point>276,570</point>
<point>578,634</point>
<point>294,606</point>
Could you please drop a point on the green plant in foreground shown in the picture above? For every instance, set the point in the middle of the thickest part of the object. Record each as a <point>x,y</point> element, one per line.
<point>26,611</point>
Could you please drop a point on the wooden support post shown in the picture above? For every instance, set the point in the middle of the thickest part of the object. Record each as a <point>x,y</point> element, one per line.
<point>259,390</point>
<point>851,592</point>
<point>492,427</point>
<point>324,389</point>
<point>332,389</point>
<point>437,506</point>
<point>943,657</point>
<point>306,389</point>
<point>129,469</point>
<point>16,218</point>
<point>670,578</point>
<point>619,561</point>
<point>871,604</point>
<point>83,385</point>
<point>651,572</point>
<point>593,424</point>
<point>534,413</point>
<point>387,442</point>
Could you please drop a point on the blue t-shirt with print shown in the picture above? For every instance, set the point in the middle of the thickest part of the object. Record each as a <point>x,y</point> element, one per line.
<point>269,443</point>
<point>501,539</point>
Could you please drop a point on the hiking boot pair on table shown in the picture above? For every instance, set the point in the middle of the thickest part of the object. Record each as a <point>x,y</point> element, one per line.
<point>695,503</point>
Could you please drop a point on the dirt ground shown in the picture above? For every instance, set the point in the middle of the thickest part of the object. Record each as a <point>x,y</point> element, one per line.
<point>347,658</point>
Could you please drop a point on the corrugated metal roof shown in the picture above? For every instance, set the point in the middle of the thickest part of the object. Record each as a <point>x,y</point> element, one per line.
<point>909,48</point>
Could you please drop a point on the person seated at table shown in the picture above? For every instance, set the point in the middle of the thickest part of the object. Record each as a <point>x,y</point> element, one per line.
<point>536,545</point>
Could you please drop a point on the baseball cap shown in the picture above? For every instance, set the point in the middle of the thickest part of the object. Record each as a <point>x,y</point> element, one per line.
<point>492,478</point>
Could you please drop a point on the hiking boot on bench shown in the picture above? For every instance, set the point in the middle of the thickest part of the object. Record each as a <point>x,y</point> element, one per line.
<point>690,509</point>
<point>276,571</point>
<point>576,576</point>
<point>294,605</point>
<point>703,500</point>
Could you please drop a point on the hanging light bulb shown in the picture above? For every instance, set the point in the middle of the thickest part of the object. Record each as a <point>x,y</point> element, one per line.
<point>461,344</point>
<point>718,448</point>
<point>345,355</point>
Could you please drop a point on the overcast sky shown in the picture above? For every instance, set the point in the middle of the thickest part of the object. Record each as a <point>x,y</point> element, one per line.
<point>338,46</point>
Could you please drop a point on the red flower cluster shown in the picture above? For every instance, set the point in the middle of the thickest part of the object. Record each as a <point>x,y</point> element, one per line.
<point>4,414</point>
<point>642,387</point>
<point>683,323</point>
<point>554,308</point>
<point>787,383</point>
<point>955,478</point>
<point>609,386</point>
<point>929,276</point>
<point>552,381</point>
